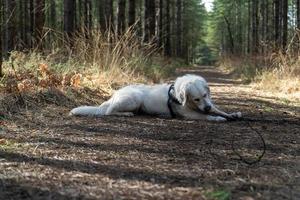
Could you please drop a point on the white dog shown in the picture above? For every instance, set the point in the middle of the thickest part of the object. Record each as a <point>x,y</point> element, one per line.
<point>188,98</point>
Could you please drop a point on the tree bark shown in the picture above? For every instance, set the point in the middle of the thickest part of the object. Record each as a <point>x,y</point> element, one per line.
<point>255,25</point>
<point>11,25</point>
<point>149,20</point>
<point>249,28</point>
<point>109,14</point>
<point>1,22</point>
<point>121,16</point>
<point>298,14</point>
<point>26,24</point>
<point>161,21</point>
<point>32,23</point>
<point>277,22</point>
<point>284,24</point>
<point>102,18</point>
<point>131,13</point>
<point>230,35</point>
<point>90,14</point>
<point>168,30</point>
<point>39,21</point>
<point>179,28</point>
<point>69,16</point>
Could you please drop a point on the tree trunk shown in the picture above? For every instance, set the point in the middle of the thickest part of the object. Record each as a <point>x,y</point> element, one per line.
<point>168,29</point>
<point>179,28</point>
<point>298,14</point>
<point>21,23</point>
<point>1,22</point>
<point>90,15</point>
<point>249,28</point>
<point>39,21</point>
<point>121,16</point>
<point>102,20</point>
<point>26,24</point>
<point>277,22</point>
<point>85,15</point>
<point>69,16</point>
<point>52,20</point>
<point>109,14</point>
<point>255,25</point>
<point>149,20</point>
<point>230,35</point>
<point>131,13</point>
<point>11,25</point>
<point>32,23</point>
<point>161,21</point>
<point>284,24</point>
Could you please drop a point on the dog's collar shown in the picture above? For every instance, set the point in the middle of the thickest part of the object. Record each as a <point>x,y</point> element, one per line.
<point>172,99</point>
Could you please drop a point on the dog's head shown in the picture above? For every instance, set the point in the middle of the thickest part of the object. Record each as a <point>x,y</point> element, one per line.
<point>193,91</point>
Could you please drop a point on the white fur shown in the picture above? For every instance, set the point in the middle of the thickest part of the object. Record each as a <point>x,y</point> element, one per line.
<point>192,91</point>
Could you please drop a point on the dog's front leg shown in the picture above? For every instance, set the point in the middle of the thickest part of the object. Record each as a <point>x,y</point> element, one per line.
<point>199,116</point>
<point>194,115</point>
<point>235,115</point>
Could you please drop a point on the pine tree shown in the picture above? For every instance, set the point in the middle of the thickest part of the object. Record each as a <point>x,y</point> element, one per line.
<point>121,16</point>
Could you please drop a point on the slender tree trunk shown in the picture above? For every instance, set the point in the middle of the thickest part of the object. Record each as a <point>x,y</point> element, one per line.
<point>161,21</point>
<point>26,24</point>
<point>39,21</point>
<point>32,23</point>
<point>21,23</point>
<point>173,28</point>
<point>241,47</point>
<point>52,18</point>
<point>69,16</point>
<point>298,14</point>
<point>109,14</point>
<point>267,28</point>
<point>255,25</point>
<point>90,14</point>
<point>1,22</point>
<point>168,29</point>
<point>284,23</point>
<point>179,28</point>
<point>149,20</point>
<point>131,13</point>
<point>102,20</point>
<point>263,24</point>
<point>121,16</point>
<point>249,28</point>
<point>11,24</point>
<point>85,14</point>
<point>277,22</point>
<point>230,35</point>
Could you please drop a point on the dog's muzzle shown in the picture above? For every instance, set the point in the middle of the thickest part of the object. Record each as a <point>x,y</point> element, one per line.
<point>207,109</point>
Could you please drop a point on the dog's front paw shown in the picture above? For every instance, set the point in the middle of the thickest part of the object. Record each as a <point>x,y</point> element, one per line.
<point>236,115</point>
<point>216,118</point>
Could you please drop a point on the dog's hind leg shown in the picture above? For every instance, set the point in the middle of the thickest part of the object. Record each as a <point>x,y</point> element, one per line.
<point>124,106</point>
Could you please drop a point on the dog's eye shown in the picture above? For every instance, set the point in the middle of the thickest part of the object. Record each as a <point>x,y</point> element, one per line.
<point>196,99</point>
<point>205,95</point>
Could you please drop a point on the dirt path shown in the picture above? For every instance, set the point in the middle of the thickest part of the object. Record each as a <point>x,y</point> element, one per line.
<point>47,155</point>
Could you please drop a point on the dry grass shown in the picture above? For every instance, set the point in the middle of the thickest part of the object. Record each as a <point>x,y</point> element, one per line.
<point>90,59</point>
<point>283,77</point>
<point>277,74</point>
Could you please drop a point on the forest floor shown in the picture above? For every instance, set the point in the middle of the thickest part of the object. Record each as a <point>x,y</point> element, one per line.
<point>45,154</point>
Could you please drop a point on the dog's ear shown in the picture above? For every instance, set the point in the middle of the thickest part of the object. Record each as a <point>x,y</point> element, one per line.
<point>183,93</point>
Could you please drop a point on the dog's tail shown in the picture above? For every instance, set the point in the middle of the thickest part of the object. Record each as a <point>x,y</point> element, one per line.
<point>90,110</point>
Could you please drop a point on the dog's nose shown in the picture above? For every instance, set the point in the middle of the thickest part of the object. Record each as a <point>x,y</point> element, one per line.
<point>207,109</point>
